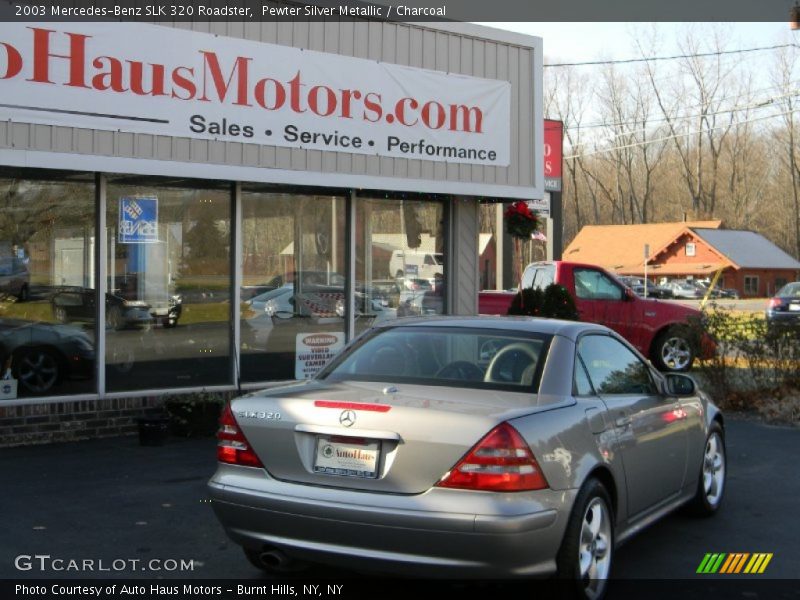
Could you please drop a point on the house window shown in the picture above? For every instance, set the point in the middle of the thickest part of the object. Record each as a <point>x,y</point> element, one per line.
<point>690,249</point>
<point>751,285</point>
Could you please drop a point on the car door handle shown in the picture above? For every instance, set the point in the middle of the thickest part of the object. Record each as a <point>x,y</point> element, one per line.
<point>622,421</point>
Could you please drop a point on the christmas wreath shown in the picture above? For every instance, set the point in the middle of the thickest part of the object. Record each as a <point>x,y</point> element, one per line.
<point>521,221</point>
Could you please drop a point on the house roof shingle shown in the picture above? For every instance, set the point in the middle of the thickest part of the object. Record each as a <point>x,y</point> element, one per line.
<point>747,249</point>
<point>621,247</point>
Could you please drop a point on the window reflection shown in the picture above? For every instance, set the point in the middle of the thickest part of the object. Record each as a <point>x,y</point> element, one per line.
<point>293,283</point>
<point>168,301</point>
<point>400,261</point>
<point>46,245</point>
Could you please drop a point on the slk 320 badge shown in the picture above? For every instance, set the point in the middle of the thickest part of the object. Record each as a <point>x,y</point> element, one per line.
<point>259,414</point>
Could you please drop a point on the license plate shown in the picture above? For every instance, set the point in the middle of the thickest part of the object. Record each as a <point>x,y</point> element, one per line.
<point>794,306</point>
<point>351,458</point>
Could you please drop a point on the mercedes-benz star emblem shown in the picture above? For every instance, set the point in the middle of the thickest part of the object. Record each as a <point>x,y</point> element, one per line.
<point>347,418</point>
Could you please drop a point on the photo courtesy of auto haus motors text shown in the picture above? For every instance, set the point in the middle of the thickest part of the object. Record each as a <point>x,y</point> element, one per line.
<point>184,590</point>
<point>167,81</point>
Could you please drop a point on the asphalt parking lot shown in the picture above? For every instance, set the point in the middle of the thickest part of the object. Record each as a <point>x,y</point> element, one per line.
<point>113,499</point>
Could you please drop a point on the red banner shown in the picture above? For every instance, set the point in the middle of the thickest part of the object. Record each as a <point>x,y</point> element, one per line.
<point>553,139</point>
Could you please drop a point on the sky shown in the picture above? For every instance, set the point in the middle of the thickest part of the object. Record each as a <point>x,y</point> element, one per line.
<point>590,41</point>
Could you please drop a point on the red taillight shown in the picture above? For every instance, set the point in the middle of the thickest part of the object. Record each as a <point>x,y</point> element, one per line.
<point>773,302</point>
<point>232,447</point>
<point>500,462</point>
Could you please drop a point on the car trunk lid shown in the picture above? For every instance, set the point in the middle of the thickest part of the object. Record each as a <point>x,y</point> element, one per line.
<point>370,435</point>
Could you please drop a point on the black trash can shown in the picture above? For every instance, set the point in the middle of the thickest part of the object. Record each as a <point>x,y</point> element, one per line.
<point>153,431</point>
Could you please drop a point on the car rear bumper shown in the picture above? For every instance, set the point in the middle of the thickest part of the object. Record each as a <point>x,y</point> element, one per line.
<point>783,316</point>
<point>421,535</point>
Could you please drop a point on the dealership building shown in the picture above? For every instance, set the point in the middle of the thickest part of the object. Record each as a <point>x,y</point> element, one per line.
<point>245,197</point>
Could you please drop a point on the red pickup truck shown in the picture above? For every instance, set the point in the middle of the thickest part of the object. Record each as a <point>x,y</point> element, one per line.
<point>660,330</point>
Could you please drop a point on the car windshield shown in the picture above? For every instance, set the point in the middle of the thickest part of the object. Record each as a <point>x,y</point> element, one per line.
<point>447,356</point>
<point>790,290</point>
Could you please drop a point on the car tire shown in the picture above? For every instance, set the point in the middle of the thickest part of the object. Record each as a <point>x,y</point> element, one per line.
<point>673,350</point>
<point>585,557</point>
<point>291,568</point>
<point>38,370</point>
<point>713,472</point>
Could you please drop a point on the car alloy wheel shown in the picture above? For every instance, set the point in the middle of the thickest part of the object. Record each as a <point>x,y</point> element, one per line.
<point>676,353</point>
<point>711,482</point>
<point>37,370</point>
<point>594,550</point>
<point>673,350</point>
<point>714,469</point>
<point>586,554</point>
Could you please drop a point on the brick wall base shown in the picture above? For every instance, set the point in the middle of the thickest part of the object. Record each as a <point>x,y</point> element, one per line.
<point>78,420</point>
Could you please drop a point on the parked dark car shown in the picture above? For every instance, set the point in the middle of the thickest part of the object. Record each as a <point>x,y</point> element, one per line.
<point>43,354</point>
<point>784,307</point>
<point>653,290</point>
<point>685,289</point>
<point>716,292</point>
<point>14,279</point>
<point>78,304</point>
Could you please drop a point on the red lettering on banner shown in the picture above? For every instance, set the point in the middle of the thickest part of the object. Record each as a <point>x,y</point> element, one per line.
<point>400,110</point>
<point>330,100</point>
<point>239,71</point>
<point>42,56</point>
<point>13,61</point>
<point>229,82</point>
<point>432,122</point>
<point>294,93</point>
<point>111,79</point>
<point>184,83</point>
<point>373,106</point>
<point>137,79</point>
<point>262,97</point>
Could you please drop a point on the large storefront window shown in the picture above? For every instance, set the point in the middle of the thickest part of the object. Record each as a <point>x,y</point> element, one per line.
<point>169,280</point>
<point>400,259</point>
<point>293,283</point>
<point>47,300</point>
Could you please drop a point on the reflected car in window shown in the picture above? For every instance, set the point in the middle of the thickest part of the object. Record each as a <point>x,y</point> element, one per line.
<point>318,307</point>
<point>478,446</point>
<point>44,354</point>
<point>14,279</point>
<point>272,302</point>
<point>77,304</point>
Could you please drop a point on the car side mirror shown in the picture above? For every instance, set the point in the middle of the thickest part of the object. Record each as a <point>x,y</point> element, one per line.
<point>679,385</point>
<point>629,294</point>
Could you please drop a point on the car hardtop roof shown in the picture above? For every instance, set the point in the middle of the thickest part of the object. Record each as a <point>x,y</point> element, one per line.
<point>569,329</point>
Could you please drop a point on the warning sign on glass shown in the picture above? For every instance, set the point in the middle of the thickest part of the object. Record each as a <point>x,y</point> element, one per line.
<point>314,350</point>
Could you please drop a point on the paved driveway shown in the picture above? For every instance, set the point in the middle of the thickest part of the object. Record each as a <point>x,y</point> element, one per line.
<point>112,499</point>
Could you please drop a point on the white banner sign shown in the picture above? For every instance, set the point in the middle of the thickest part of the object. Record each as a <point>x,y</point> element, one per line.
<point>165,81</point>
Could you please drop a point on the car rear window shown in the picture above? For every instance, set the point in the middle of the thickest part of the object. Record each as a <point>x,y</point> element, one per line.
<point>447,356</point>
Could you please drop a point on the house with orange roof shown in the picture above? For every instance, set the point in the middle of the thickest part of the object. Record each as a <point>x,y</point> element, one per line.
<point>749,262</point>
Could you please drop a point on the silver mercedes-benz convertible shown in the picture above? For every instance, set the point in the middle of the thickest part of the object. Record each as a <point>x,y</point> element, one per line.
<point>467,446</point>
